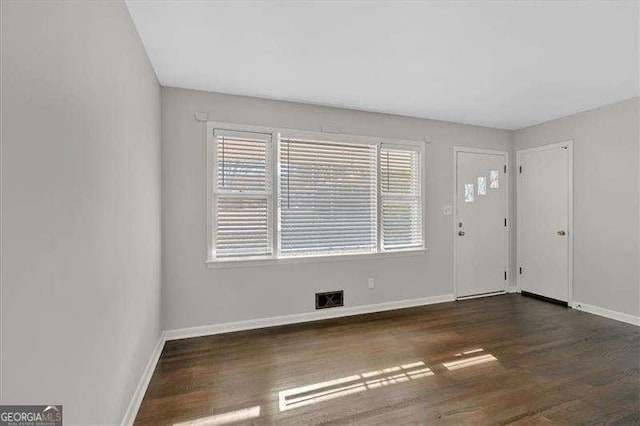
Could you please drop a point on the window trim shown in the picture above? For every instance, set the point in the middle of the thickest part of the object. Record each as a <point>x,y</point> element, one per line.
<point>273,193</point>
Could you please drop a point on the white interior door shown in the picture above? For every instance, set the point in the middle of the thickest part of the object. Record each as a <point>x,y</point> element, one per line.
<point>543,221</point>
<point>481,232</point>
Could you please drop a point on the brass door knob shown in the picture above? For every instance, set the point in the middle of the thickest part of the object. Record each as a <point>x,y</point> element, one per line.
<point>561,233</point>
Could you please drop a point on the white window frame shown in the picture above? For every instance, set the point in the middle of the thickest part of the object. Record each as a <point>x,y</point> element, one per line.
<point>273,193</point>
<point>403,197</point>
<point>216,192</point>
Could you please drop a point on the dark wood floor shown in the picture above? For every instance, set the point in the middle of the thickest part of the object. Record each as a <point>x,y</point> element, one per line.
<point>497,360</point>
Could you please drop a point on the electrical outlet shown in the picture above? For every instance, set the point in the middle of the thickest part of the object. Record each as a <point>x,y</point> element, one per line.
<point>370,283</point>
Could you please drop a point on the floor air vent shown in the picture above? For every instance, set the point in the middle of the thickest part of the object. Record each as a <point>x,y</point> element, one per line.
<point>330,299</point>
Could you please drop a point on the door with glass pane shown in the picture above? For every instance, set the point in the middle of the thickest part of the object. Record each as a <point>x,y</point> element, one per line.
<point>481,235</point>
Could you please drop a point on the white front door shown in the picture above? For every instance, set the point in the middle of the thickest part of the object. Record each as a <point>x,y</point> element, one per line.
<point>543,221</point>
<point>481,232</point>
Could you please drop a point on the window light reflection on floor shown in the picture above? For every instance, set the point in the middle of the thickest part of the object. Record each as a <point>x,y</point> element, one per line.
<point>318,392</point>
<point>468,362</point>
<point>224,418</point>
<point>324,391</point>
<point>473,351</point>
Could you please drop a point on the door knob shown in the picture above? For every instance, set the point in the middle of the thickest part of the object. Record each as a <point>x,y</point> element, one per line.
<point>561,233</point>
<point>461,233</point>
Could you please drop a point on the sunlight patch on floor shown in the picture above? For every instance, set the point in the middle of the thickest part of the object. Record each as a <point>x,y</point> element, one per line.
<point>468,362</point>
<point>224,418</point>
<point>331,389</point>
<point>324,391</point>
<point>473,351</point>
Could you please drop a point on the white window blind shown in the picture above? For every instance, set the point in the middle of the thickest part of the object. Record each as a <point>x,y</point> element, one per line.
<point>328,198</point>
<point>288,193</point>
<point>401,198</point>
<point>241,198</point>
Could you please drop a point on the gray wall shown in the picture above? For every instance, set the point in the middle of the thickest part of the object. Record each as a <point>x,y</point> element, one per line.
<point>80,208</point>
<point>606,143</point>
<point>194,295</point>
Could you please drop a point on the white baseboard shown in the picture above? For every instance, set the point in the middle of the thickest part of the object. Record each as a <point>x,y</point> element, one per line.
<point>141,389</point>
<point>596,310</point>
<point>483,295</point>
<point>206,330</point>
<point>513,289</point>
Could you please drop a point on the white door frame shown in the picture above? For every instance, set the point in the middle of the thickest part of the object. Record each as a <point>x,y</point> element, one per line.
<point>568,144</point>
<point>456,150</point>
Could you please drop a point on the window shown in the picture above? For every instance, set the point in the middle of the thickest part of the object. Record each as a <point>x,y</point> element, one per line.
<point>400,189</point>
<point>327,198</point>
<point>277,194</point>
<point>241,195</point>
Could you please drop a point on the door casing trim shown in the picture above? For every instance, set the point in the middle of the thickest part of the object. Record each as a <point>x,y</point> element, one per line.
<point>456,150</point>
<point>568,144</point>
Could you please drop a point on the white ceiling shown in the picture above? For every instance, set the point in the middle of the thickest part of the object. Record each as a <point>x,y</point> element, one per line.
<point>498,64</point>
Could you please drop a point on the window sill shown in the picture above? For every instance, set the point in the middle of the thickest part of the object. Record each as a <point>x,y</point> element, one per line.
<point>216,264</point>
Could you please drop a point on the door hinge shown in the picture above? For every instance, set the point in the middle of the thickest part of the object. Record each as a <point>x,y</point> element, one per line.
<point>505,275</point>
<point>505,221</point>
<point>520,168</point>
<point>520,270</point>
<point>505,168</point>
